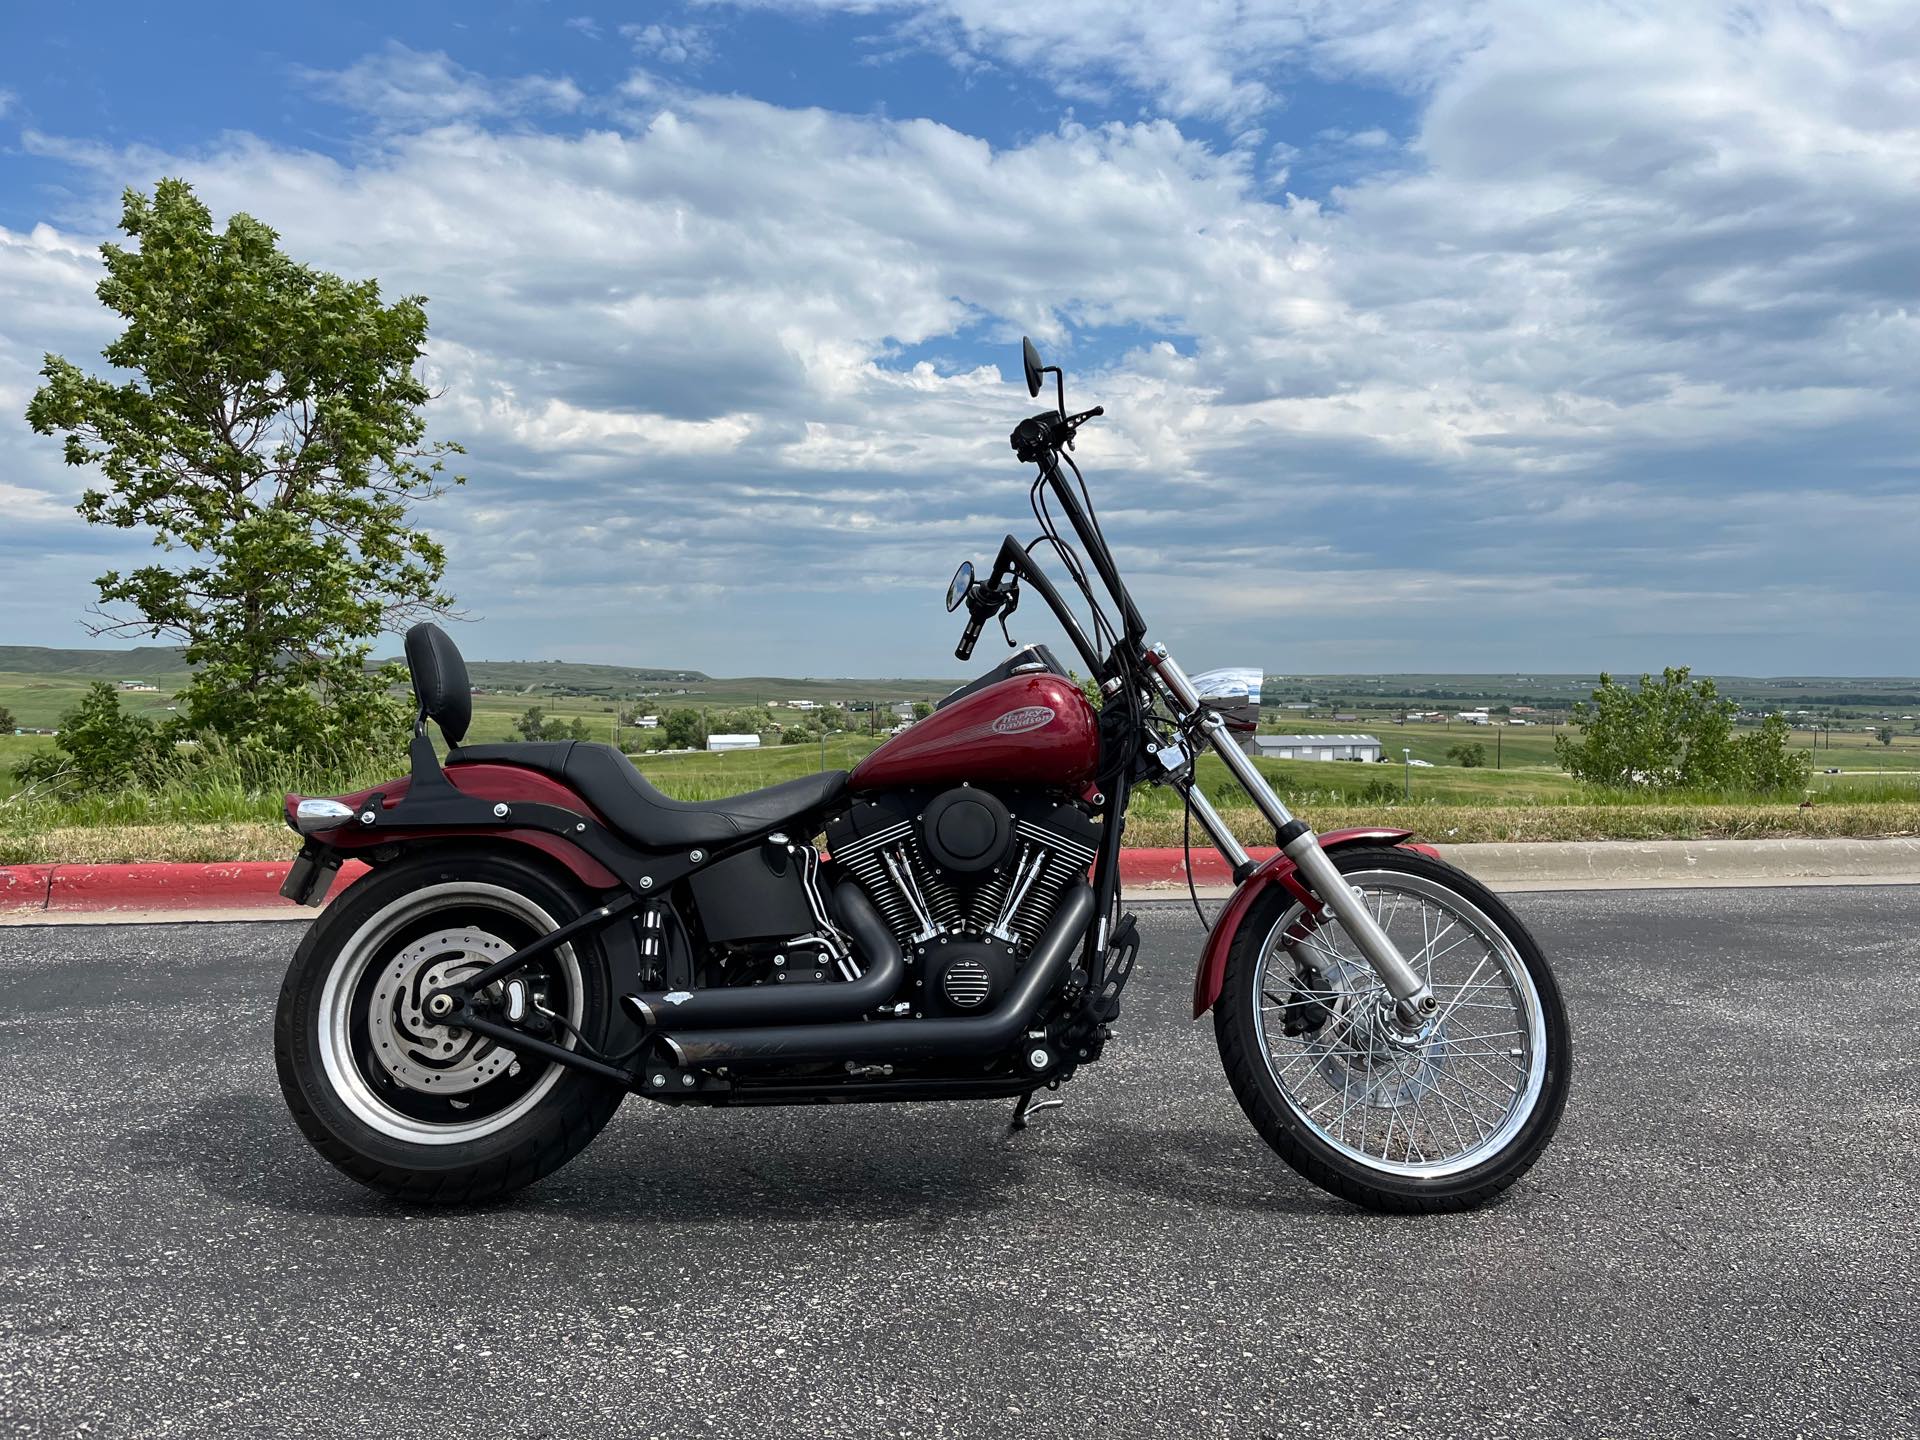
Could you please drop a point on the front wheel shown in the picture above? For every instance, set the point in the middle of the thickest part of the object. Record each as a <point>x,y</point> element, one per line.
<point>1444,1117</point>
<point>419,1110</point>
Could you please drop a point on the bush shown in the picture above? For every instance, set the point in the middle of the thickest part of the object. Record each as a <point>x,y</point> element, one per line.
<point>1676,733</point>
<point>99,747</point>
<point>1471,757</point>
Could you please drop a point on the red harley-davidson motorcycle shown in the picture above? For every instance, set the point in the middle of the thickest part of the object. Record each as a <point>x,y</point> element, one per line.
<point>543,932</point>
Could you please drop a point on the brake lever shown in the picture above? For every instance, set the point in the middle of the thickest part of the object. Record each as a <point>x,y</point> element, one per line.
<point>1009,602</point>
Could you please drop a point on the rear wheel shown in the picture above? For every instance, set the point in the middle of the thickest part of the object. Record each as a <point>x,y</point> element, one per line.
<point>1444,1117</point>
<point>420,1110</point>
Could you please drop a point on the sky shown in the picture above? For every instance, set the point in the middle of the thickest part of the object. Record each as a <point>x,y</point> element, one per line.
<point>1463,337</point>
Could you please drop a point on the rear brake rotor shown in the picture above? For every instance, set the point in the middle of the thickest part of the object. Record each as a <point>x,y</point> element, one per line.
<point>418,1053</point>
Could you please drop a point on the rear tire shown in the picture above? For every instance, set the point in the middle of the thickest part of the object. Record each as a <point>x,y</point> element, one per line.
<point>415,1110</point>
<point>1295,1121</point>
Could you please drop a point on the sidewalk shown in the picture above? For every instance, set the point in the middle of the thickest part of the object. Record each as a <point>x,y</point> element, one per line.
<point>126,894</point>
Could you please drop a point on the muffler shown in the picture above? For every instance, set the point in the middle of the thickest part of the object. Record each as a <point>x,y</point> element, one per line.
<point>901,1041</point>
<point>800,1004</point>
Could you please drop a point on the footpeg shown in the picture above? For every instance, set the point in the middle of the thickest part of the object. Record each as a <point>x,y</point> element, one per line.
<point>1121,953</point>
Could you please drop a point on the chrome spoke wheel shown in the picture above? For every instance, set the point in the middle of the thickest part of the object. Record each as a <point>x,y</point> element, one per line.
<point>409,1077</point>
<point>1426,1102</point>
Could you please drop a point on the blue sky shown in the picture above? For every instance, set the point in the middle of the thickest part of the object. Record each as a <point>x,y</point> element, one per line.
<point>1434,337</point>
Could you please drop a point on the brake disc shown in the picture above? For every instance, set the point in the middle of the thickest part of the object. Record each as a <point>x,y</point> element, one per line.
<point>418,1053</point>
<point>1360,1050</point>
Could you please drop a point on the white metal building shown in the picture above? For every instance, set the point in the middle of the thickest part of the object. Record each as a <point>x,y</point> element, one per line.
<point>733,742</point>
<point>1315,747</point>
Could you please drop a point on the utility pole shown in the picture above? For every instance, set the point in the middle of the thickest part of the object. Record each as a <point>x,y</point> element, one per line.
<point>1406,769</point>
<point>1496,745</point>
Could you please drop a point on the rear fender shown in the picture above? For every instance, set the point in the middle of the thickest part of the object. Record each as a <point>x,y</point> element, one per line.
<point>508,784</point>
<point>1277,871</point>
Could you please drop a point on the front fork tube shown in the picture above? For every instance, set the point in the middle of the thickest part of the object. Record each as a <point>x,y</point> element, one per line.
<point>1412,995</point>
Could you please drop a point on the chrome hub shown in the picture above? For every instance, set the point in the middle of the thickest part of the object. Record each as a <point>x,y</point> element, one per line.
<point>1363,1050</point>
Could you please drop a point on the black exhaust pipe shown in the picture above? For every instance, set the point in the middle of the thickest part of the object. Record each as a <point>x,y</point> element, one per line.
<point>903,1040</point>
<point>788,1004</point>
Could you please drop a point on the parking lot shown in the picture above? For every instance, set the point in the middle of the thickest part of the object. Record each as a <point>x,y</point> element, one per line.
<point>1721,1241</point>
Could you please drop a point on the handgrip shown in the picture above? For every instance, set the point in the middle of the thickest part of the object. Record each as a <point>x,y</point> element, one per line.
<point>964,650</point>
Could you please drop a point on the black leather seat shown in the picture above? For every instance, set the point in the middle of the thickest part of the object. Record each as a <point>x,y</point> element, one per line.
<point>607,781</point>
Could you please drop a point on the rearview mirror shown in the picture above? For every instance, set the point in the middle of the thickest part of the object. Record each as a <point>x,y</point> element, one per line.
<point>962,583</point>
<point>1031,357</point>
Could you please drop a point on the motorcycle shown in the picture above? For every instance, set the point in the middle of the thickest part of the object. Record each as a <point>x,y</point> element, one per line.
<point>542,932</point>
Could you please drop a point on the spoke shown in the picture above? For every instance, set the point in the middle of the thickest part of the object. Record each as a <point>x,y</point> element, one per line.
<point>1441,1018</point>
<point>1503,1079</point>
<point>1442,934</point>
<point>1502,1108</point>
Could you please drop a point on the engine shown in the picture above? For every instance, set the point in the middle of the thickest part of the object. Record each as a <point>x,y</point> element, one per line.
<point>966,880</point>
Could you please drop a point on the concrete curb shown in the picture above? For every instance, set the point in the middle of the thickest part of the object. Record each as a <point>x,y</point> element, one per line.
<point>34,894</point>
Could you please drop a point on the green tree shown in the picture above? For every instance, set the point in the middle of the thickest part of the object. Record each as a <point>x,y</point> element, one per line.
<point>100,747</point>
<point>1764,760</point>
<point>532,723</point>
<point>1884,734</point>
<point>1674,733</point>
<point>921,709</point>
<point>265,425</point>
<point>1472,757</point>
<point>683,728</point>
<point>7,722</point>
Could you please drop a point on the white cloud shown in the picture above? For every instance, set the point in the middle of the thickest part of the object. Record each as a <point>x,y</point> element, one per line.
<point>1593,334</point>
<point>398,86</point>
<point>670,44</point>
<point>1216,58</point>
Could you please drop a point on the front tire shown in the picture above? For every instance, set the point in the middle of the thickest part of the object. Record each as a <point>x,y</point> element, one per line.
<point>420,1111</point>
<point>1445,1119</point>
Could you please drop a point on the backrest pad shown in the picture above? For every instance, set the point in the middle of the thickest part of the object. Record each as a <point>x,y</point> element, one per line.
<point>440,681</point>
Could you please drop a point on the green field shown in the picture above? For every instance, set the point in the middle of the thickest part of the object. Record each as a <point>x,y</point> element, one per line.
<point>1520,792</point>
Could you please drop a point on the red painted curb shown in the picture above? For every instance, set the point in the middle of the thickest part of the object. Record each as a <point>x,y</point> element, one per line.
<point>253,884</point>
<point>236,885</point>
<point>24,887</point>
<point>1167,866</point>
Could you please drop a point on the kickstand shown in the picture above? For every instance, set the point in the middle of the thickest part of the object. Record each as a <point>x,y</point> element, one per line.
<point>1030,1106</point>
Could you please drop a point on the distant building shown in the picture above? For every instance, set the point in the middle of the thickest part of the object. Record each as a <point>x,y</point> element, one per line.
<point>1296,705</point>
<point>1474,717</point>
<point>1524,710</point>
<point>1425,717</point>
<point>647,722</point>
<point>1314,747</point>
<point>733,742</point>
<point>803,704</point>
<point>137,685</point>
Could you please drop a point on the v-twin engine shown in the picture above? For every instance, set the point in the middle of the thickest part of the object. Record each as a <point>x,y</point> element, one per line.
<point>967,881</point>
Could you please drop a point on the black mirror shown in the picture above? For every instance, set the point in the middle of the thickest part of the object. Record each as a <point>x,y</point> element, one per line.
<point>1031,357</point>
<point>962,583</point>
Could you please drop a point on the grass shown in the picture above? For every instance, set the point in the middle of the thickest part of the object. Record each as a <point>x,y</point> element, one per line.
<point>220,813</point>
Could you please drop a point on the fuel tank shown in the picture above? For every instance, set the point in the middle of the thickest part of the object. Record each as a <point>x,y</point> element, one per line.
<point>1026,730</point>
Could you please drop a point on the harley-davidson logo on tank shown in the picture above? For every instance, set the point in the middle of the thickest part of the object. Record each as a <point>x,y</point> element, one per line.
<point>1018,722</point>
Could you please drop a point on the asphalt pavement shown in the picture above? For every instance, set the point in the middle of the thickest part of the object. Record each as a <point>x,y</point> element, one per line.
<point>1722,1240</point>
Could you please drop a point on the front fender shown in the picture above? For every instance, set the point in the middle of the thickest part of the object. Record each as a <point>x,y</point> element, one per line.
<point>1277,871</point>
